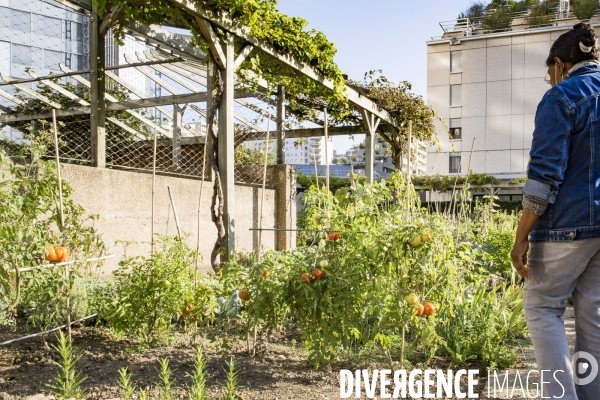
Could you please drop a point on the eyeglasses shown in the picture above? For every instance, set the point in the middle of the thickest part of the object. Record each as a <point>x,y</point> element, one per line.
<point>547,79</point>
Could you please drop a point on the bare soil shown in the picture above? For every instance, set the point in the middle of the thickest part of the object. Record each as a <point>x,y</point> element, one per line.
<point>278,371</point>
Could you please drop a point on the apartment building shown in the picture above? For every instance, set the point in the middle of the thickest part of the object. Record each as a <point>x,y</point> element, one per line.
<point>486,87</point>
<point>312,151</point>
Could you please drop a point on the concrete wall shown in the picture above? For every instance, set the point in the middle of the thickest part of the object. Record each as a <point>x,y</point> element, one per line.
<point>502,80</point>
<point>123,200</point>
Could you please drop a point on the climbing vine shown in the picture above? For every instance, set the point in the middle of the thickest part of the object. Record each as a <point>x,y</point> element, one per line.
<point>288,35</point>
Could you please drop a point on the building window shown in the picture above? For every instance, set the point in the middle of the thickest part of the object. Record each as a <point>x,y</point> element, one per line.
<point>20,21</point>
<point>52,59</point>
<point>455,61</point>
<point>455,95</point>
<point>455,128</point>
<point>21,54</point>
<point>51,27</point>
<point>454,164</point>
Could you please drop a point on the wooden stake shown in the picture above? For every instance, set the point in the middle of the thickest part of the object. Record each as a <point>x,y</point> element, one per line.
<point>153,191</point>
<point>262,202</point>
<point>326,150</point>
<point>174,212</point>
<point>62,216</point>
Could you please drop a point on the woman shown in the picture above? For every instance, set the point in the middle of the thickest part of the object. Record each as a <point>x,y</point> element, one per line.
<point>561,219</point>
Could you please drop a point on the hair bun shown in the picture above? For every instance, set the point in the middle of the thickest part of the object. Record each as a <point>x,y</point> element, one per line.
<point>586,35</point>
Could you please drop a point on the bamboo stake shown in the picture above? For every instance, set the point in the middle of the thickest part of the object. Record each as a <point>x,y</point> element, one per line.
<point>408,171</point>
<point>465,184</point>
<point>326,150</point>
<point>402,348</point>
<point>199,207</point>
<point>62,217</point>
<point>315,164</point>
<point>54,265</point>
<point>174,212</point>
<point>153,192</point>
<point>262,202</point>
<point>46,332</point>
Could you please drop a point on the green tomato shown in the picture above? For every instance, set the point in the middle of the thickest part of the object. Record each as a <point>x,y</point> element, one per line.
<point>166,283</point>
<point>419,222</point>
<point>283,276</point>
<point>416,241</point>
<point>364,296</point>
<point>412,299</point>
<point>323,263</point>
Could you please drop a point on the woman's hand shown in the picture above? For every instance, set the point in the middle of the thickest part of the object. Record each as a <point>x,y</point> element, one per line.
<point>519,251</point>
<point>518,256</point>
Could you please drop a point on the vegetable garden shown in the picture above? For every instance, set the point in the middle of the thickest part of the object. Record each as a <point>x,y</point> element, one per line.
<point>374,272</point>
<point>375,278</point>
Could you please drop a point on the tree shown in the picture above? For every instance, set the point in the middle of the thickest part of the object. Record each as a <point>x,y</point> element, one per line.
<point>345,160</point>
<point>335,160</point>
<point>403,106</point>
<point>498,20</point>
<point>584,9</point>
<point>542,14</point>
<point>475,10</point>
<point>354,158</point>
<point>523,5</point>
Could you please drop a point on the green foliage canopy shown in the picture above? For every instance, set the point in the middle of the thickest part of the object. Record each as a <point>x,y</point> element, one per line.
<point>262,20</point>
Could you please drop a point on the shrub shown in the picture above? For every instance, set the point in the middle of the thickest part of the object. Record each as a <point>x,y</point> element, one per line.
<point>498,20</point>
<point>475,10</point>
<point>542,14</point>
<point>584,9</point>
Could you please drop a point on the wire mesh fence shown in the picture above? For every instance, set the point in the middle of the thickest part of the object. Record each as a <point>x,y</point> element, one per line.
<point>254,117</point>
<point>39,39</point>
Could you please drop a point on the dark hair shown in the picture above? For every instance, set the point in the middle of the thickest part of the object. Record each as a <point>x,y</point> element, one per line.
<point>567,47</point>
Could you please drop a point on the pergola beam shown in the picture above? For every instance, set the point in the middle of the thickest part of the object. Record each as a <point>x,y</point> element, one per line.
<point>176,43</point>
<point>198,76</point>
<point>30,91</point>
<point>314,132</point>
<point>119,106</point>
<point>139,94</point>
<point>213,42</point>
<point>227,24</point>
<point>244,52</point>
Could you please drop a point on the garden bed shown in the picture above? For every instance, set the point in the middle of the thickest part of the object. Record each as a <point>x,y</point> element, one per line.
<point>279,370</point>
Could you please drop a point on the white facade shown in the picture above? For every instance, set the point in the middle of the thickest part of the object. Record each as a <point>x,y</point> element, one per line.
<point>40,35</point>
<point>307,153</point>
<point>487,88</point>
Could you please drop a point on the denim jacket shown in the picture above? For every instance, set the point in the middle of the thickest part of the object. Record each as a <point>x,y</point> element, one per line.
<point>564,165</point>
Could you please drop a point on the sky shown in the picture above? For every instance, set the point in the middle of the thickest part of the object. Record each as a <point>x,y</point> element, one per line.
<point>390,35</point>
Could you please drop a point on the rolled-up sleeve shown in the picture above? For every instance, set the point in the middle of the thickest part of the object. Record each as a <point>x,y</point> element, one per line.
<point>549,151</point>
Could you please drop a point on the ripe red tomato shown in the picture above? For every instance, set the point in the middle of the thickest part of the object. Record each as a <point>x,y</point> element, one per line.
<point>306,278</point>
<point>428,309</point>
<point>418,309</point>
<point>318,274</point>
<point>333,236</point>
<point>265,274</point>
